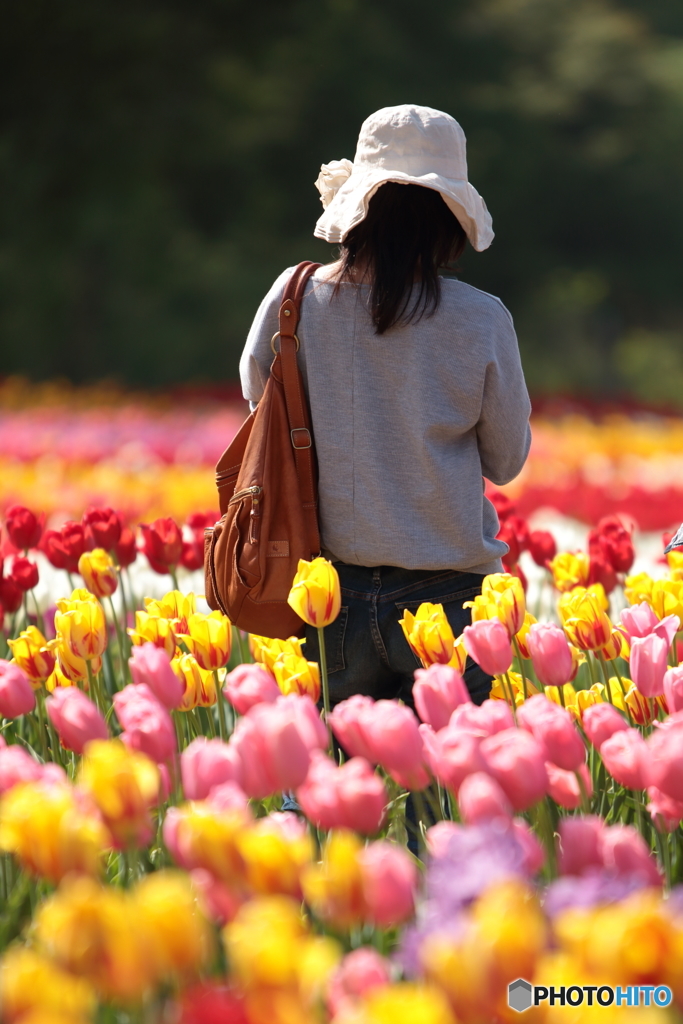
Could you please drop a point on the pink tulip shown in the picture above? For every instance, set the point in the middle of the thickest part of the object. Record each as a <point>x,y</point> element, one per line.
<point>218,902</point>
<point>383,732</point>
<point>554,727</point>
<point>550,654</point>
<point>487,642</point>
<point>665,769</point>
<point>147,725</point>
<point>205,764</point>
<point>627,758</point>
<point>274,743</point>
<point>352,796</point>
<point>673,689</point>
<point>16,694</point>
<point>16,766</point>
<point>389,883</point>
<point>532,851</point>
<point>564,786</point>
<point>351,723</point>
<point>640,621</point>
<point>75,718</point>
<point>624,852</point>
<point>248,685</point>
<point>151,665</point>
<point>481,799</point>
<point>439,836</point>
<point>665,812</point>
<point>438,691</point>
<point>579,844</point>
<point>484,719</point>
<point>452,755</point>
<point>360,972</point>
<point>516,760</point>
<point>648,664</point>
<point>600,721</point>
<point>228,796</point>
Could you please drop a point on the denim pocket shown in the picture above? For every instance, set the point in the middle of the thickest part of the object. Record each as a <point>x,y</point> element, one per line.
<point>335,634</point>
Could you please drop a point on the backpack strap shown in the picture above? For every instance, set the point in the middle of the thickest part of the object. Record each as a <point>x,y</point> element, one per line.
<point>297,412</point>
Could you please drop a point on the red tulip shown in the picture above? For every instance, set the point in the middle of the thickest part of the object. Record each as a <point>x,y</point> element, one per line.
<point>64,547</point>
<point>502,504</point>
<point>125,549</point>
<point>24,527</point>
<point>10,595</point>
<point>542,547</point>
<point>24,573</point>
<point>193,554</point>
<point>162,544</point>
<point>102,528</point>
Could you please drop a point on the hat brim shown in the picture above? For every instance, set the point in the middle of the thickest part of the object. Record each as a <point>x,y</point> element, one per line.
<point>350,205</point>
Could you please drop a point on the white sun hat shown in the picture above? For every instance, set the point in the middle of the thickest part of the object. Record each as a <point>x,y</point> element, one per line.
<point>409,144</point>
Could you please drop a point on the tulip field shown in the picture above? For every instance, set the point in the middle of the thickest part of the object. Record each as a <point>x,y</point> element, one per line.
<point>187,836</point>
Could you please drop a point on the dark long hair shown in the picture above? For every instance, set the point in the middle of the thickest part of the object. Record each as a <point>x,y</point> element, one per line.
<point>409,231</point>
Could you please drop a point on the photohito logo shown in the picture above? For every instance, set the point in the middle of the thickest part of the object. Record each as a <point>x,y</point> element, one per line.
<point>522,995</point>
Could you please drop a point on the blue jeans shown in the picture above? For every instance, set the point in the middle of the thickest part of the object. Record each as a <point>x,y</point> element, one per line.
<point>366,650</point>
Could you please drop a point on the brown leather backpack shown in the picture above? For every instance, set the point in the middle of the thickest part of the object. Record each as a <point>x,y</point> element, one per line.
<point>268,494</point>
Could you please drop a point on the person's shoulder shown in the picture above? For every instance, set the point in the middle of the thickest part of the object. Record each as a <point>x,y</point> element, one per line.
<point>474,300</point>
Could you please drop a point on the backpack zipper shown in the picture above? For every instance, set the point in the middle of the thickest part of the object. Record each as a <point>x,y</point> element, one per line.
<point>244,492</point>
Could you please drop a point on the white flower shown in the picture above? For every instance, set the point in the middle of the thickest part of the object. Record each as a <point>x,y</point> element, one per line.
<point>331,178</point>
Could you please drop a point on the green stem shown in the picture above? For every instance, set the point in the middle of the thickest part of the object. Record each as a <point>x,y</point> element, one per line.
<point>238,637</point>
<point>511,695</point>
<point>325,681</point>
<point>122,650</point>
<point>172,574</point>
<point>520,660</point>
<point>222,723</point>
<point>605,674</point>
<point>71,581</point>
<point>92,687</point>
<point>39,614</point>
<point>40,704</point>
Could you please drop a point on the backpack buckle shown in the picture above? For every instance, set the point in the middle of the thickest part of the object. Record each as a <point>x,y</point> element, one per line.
<point>302,439</point>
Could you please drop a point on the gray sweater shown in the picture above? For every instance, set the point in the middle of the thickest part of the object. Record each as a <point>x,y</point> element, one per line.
<point>407,423</point>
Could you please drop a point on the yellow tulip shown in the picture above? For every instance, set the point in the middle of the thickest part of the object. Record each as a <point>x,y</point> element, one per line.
<point>177,935</point>
<point>638,588</point>
<point>588,627</point>
<point>273,862</point>
<point>174,606</point>
<point>459,659</point>
<point>667,598</point>
<point>509,924</point>
<point>73,667</point>
<point>98,933</point>
<point>151,629</point>
<point>569,697</point>
<point>82,627</point>
<point>31,653</point>
<point>429,634</point>
<point>334,888</point>
<point>616,647</point>
<point>572,599</point>
<point>124,784</point>
<point>570,569</point>
<point>267,651</point>
<point>316,595</point>
<point>281,967</point>
<point>523,633</point>
<point>99,572</point>
<point>209,638</point>
<point>57,679</point>
<point>209,838</point>
<point>32,984</point>
<point>499,691</point>
<point>49,833</point>
<point>296,675</point>
<point>403,1003</point>
<point>199,683</point>
<point>508,592</point>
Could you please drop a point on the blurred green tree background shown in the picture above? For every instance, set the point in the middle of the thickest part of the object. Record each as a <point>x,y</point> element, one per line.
<point>157,160</point>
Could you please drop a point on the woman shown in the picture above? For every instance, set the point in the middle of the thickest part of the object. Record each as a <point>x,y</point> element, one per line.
<point>416,392</point>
